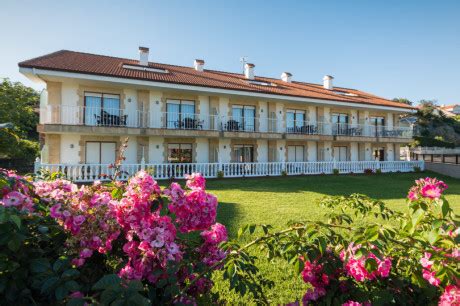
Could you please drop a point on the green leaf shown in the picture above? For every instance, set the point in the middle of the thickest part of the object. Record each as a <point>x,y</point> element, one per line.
<point>39,265</point>
<point>371,264</point>
<point>60,264</point>
<point>76,302</point>
<point>107,281</point>
<point>433,236</point>
<point>61,292</point>
<point>72,285</point>
<point>252,228</point>
<point>108,296</point>
<point>298,266</point>
<point>70,273</point>
<point>49,284</point>
<point>445,208</point>
<point>14,244</point>
<point>16,220</point>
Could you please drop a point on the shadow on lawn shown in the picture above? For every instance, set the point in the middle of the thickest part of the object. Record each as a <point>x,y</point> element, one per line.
<point>228,214</point>
<point>382,186</point>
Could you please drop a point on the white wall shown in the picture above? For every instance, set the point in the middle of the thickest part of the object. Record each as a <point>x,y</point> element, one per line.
<point>202,150</point>
<point>368,151</point>
<point>262,151</point>
<point>70,148</point>
<point>131,151</point>
<point>155,109</point>
<point>70,113</point>
<point>327,151</point>
<point>389,121</point>
<point>131,107</point>
<point>312,114</point>
<point>281,150</point>
<point>204,111</point>
<point>156,150</point>
<point>354,117</point>
<point>312,151</point>
<point>224,151</point>
<point>279,109</point>
<point>263,115</point>
<point>223,106</point>
<point>354,151</point>
<point>390,152</point>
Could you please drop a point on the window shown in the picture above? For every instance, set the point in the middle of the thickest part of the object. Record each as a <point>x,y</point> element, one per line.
<point>295,153</point>
<point>295,120</point>
<point>103,109</point>
<point>378,121</point>
<point>243,117</point>
<point>340,153</point>
<point>180,153</point>
<point>243,154</point>
<point>100,152</point>
<point>340,123</point>
<point>180,114</point>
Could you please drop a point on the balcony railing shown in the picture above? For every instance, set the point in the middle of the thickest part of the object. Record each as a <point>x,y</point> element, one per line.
<point>106,117</point>
<point>91,172</point>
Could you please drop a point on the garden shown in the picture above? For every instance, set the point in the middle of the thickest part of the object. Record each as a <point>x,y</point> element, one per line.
<point>329,240</point>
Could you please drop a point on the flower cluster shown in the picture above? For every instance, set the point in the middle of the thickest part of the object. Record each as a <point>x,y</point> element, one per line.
<point>450,297</point>
<point>209,251</point>
<point>96,215</point>
<point>428,274</point>
<point>17,193</point>
<point>355,267</point>
<point>85,212</point>
<point>429,188</point>
<point>313,273</point>
<point>195,210</point>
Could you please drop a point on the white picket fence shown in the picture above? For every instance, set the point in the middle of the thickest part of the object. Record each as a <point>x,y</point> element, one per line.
<point>91,172</point>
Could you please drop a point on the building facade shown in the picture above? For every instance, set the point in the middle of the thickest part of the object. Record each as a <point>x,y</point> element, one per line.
<point>174,114</point>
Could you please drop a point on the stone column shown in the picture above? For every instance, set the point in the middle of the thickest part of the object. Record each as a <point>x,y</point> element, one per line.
<point>263,117</point>
<point>204,111</point>
<point>281,149</point>
<point>312,114</point>
<point>354,118</point>
<point>202,150</point>
<point>262,150</point>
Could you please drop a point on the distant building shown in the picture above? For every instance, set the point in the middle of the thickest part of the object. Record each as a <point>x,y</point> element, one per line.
<point>451,110</point>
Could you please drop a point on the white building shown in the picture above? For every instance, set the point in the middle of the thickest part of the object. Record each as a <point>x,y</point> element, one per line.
<point>191,115</point>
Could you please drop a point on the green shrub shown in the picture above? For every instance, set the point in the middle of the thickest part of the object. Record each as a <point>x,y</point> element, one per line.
<point>220,174</point>
<point>336,171</point>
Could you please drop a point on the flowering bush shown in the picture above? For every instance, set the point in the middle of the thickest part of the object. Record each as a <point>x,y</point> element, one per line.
<point>131,229</point>
<point>356,259</point>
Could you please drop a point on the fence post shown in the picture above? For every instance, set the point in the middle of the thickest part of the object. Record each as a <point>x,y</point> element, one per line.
<point>37,165</point>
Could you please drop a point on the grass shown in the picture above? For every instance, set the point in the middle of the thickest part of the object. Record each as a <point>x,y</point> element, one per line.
<point>278,200</point>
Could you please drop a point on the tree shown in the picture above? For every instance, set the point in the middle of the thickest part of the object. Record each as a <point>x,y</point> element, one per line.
<point>403,100</point>
<point>17,106</point>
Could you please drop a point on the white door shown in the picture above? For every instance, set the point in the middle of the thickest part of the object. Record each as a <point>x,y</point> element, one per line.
<point>100,152</point>
<point>340,153</point>
<point>107,153</point>
<point>295,153</point>
<point>93,152</point>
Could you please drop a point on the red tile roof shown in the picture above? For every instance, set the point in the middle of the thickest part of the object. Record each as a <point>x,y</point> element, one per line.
<point>70,61</point>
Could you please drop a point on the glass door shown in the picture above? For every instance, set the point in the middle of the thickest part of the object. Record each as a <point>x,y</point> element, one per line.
<point>249,118</point>
<point>243,154</point>
<point>93,108</point>
<point>340,124</point>
<point>295,153</point>
<point>340,153</point>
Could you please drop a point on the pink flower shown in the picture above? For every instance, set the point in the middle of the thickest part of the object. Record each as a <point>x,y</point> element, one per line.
<point>451,296</point>
<point>352,303</point>
<point>425,261</point>
<point>13,198</point>
<point>195,181</point>
<point>86,253</point>
<point>431,277</point>
<point>76,295</point>
<point>78,220</point>
<point>313,294</point>
<point>215,235</point>
<point>431,191</point>
<point>412,196</point>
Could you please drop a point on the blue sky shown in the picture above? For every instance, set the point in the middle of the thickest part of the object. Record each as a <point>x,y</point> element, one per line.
<point>389,48</point>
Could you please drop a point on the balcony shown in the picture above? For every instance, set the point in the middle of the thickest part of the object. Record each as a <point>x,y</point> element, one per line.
<point>125,118</point>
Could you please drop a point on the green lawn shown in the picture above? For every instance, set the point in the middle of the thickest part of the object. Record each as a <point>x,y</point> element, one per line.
<point>277,200</point>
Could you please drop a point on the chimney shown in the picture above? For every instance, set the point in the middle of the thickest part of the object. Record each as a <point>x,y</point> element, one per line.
<point>286,77</point>
<point>198,64</point>
<point>327,82</point>
<point>249,71</point>
<point>143,56</point>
